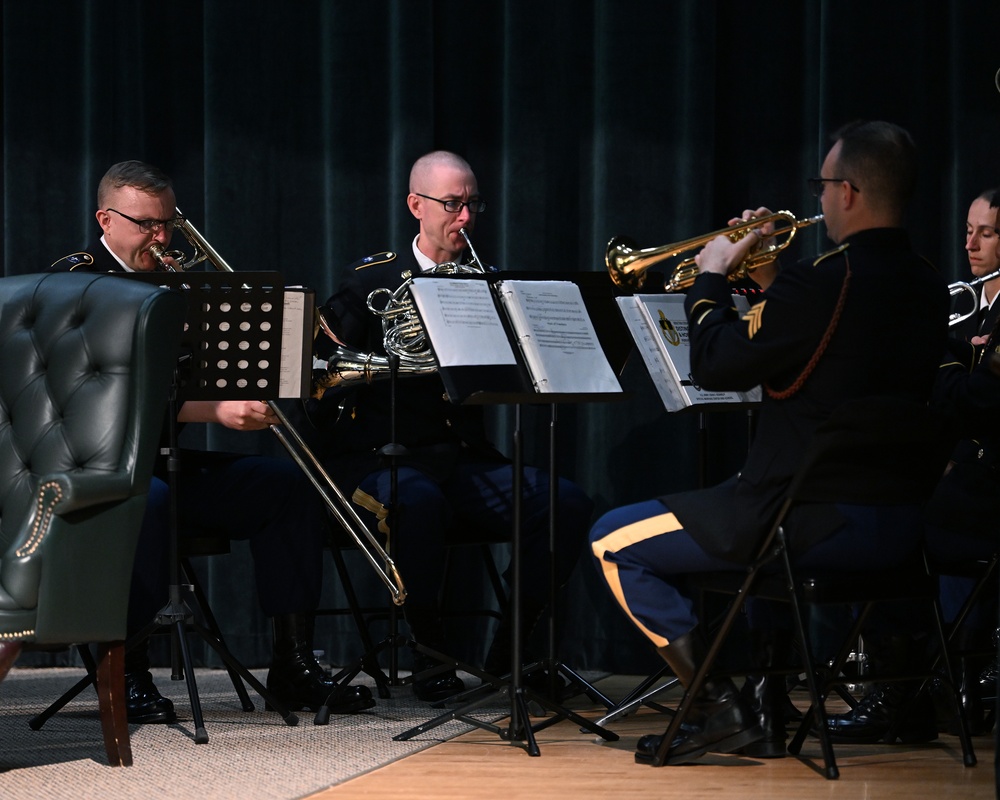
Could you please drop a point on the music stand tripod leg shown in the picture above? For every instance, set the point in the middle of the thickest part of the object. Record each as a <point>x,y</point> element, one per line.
<point>519,728</point>
<point>213,626</point>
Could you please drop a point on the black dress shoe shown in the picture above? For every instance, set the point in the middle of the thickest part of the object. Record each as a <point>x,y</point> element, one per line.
<point>887,713</point>
<point>438,687</point>
<point>432,680</point>
<point>720,722</point>
<point>144,704</point>
<point>541,683</point>
<point>298,681</point>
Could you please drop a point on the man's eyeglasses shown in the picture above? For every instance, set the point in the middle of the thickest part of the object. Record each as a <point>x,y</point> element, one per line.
<point>816,184</point>
<point>151,225</point>
<point>455,206</point>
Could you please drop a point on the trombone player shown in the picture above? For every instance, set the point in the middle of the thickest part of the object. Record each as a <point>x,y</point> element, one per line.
<point>264,500</point>
<point>808,342</point>
<point>453,484</point>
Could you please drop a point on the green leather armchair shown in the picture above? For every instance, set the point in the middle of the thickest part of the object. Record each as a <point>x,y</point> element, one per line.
<point>85,370</point>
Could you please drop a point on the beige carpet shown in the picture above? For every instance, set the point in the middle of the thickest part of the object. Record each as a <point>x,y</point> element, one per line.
<point>248,755</point>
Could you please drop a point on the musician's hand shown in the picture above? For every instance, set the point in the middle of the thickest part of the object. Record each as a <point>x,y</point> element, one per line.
<point>979,341</point>
<point>722,256</point>
<point>765,232</point>
<point>328,332</point>
<point>765,274</point>
<point>240,415</point>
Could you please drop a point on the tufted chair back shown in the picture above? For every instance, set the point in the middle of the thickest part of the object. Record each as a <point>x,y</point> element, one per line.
<point>85,365</point>
<point>85,368</point>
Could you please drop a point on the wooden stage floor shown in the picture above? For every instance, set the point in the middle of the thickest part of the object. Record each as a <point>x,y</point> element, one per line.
<point>573,764</point>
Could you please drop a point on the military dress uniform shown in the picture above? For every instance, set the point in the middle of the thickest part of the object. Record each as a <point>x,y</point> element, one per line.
<point>821,336</point>
<point>453,484</point>
<point>267,501</point>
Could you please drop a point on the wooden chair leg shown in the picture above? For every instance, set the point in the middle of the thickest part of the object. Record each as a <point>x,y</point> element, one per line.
<point>111,700</point>
<point>9,651</point>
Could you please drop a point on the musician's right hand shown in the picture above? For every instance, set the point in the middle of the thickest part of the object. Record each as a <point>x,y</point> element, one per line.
<point>240,415</point>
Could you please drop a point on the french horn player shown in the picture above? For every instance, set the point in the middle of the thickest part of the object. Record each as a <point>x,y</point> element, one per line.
<point>454,485</point>
<point>267,501</point>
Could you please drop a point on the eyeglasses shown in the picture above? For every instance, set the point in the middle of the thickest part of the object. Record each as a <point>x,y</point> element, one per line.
<point>455,206</point>
<point>151,225</point>
<point>816,184</point>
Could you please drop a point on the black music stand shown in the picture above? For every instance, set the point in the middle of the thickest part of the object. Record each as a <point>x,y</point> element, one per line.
<point>479,385</point>
<point>393,641</point>
<point>232,350</point>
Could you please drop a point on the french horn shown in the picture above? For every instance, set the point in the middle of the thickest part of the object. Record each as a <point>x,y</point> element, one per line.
<point>403,334</point>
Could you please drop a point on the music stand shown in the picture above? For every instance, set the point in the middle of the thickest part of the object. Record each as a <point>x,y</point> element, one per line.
<point>393,641</point>
<point>460,382</point>
<point>232,340</point>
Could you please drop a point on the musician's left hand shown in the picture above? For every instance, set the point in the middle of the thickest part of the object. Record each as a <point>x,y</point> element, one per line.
<point>722,255</point>
<point>240,415</point>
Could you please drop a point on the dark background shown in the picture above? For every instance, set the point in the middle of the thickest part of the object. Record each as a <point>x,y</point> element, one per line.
<point>289,129</point>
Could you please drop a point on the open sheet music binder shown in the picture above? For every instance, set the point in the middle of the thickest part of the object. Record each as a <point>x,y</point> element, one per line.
<point>254,338</point>
<point>497,336</point>
<point>660,328</point>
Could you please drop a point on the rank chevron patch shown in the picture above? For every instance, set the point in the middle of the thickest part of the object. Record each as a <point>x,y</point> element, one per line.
<point>752,318</point>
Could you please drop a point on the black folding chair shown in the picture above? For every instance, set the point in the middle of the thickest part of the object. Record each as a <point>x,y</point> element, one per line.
<point>874,451</point>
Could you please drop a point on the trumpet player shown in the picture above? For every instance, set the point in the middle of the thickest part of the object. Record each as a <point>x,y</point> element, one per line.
<point>808,342</point>
<point>453,484</point>
<point>264,500</point>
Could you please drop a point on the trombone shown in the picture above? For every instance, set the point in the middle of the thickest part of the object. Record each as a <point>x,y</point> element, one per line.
<point>290,438</point>
<point>628,265</point>
<point>961,287</point>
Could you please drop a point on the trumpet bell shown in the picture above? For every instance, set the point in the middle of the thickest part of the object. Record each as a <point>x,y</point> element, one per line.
<point>621,263</point>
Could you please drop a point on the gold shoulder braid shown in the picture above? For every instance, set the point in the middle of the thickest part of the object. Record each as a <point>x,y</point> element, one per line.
<point>74,260</point>
<point>375,258</point>
<point>784,394</point>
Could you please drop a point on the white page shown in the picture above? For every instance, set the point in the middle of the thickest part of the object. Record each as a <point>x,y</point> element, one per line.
<point>557,337</point>
<point>461,322</point>
<point>293,322</point>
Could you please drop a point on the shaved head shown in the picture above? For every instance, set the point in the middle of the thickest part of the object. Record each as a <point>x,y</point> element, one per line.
<point>421,174</point>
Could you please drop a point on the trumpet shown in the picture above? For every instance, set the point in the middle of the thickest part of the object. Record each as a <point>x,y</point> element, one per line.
<point>290,438</point>
<point>961,287</point>
<point>628,265</point>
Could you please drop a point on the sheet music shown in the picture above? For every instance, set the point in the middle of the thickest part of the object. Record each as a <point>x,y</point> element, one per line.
<point>296,334</point>
<point>462,322</point>
<point>659,326</point>
<point>557,337</point>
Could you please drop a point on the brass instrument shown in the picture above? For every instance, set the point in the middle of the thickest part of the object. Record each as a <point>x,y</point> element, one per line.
<point>403,334</point>
<point>961,287</point>
<point>628,265</point>
<point>290,438</point>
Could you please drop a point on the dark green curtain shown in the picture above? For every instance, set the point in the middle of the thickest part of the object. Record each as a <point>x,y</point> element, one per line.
<point>289,129</point>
